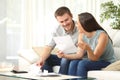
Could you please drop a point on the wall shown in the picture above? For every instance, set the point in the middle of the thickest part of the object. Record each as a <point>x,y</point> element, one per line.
<point>9,30</point>
<point>2,30</point>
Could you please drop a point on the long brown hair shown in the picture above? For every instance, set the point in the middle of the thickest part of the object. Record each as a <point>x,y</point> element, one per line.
<point>89,23</point>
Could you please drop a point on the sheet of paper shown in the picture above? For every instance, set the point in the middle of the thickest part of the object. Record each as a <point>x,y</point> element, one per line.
<point>65,44</point>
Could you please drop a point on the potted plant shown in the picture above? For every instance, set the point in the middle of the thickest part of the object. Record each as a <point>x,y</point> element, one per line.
<point>111,11</point>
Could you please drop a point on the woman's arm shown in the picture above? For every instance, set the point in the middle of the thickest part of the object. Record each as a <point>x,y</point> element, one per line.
<point>95,55</point>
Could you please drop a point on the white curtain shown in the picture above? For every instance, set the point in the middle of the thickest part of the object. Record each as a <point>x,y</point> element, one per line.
<point>28,23</point>
<point>38,17</point>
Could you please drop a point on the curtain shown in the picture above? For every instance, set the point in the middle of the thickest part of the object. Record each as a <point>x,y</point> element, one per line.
<point>39,21</point>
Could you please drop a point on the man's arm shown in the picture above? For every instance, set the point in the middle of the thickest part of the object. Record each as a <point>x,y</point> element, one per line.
<point>45,52</point>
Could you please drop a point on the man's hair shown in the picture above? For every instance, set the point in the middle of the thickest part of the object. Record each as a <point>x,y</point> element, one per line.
<point>62,10</point>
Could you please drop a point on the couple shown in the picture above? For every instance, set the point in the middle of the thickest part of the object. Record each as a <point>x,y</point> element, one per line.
<point>94,52</point>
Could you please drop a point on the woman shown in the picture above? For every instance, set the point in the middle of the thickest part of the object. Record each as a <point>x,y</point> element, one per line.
<point>95,41</point>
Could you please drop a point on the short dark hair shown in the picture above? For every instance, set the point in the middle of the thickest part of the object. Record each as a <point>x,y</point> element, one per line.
<point>61,11</point>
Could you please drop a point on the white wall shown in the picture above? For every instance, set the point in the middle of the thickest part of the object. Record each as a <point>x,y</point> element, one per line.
<point>2,30</point>
<point>9,29</point>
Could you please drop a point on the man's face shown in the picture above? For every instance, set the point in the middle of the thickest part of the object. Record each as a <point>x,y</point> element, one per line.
<point>65,21</point>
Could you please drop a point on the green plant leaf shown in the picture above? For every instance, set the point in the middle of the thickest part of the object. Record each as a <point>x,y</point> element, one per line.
<point>110,11</point>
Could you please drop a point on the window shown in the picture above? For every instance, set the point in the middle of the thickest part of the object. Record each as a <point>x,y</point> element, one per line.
<point>27,23</point>
<point>10,29</point>
<point>13,27</point>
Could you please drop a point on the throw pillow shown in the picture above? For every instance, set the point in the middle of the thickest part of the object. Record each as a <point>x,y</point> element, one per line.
<point>113,66</point>
<point>116,39</point>
<point>29,55</point>
<point>38,50</point>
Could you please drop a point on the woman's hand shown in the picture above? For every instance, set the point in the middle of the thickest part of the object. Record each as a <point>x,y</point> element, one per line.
<point>60,54</point>
<point>83,45</point>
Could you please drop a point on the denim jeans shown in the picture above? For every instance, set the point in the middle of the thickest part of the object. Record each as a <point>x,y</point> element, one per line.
<point>81,67</point>
<point>73,67</point>
<point>64,66</point>
<point>52,60</point>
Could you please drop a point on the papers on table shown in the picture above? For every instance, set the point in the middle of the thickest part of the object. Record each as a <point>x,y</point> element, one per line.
<point>48,74</point>
<point>65,44</point>
<point>38,72</point>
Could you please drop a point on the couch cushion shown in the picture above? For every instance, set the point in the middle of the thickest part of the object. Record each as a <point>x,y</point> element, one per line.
<point>38,50</point>
<point>113,67</point>
<point>117,52</point>
<point>32,55</point>
<point>116,39</point>
<point>114,34</point>
<point>111,32</point>
<point>29,55</point>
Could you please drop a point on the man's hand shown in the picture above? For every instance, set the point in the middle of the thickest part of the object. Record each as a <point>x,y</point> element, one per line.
<point>40,63</point>
<point>60,54</point>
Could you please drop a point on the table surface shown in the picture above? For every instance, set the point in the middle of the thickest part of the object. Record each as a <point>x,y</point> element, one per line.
<point>27,76</point>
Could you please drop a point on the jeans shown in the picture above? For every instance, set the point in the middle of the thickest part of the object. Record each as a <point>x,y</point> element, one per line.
<point>81,67</point>
<point>52,60</point>
<point>73,67</point>
<point>64,66</point>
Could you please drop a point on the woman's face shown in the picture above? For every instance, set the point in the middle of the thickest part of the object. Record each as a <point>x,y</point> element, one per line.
<point>79,26</point>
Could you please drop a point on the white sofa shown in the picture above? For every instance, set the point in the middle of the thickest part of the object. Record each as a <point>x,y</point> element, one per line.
<point>28,57</point>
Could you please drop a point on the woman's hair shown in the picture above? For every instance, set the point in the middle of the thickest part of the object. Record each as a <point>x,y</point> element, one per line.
<point>62,10</point>
<point>89,23</point>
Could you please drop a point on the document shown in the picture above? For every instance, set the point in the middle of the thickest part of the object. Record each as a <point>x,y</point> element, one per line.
<point>33,69</point>
<point>65,44</point>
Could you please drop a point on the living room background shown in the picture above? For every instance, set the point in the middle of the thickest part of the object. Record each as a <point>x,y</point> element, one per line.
<point>28,23</point>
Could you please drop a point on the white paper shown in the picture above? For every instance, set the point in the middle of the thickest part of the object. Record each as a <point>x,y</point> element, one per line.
<point>65,44</point>
<point>34,69</point>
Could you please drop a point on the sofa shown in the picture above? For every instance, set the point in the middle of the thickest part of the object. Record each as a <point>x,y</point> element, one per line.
<point>28,57</point>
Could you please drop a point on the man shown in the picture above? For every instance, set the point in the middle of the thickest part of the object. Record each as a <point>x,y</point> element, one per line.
<point>67,27</point>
